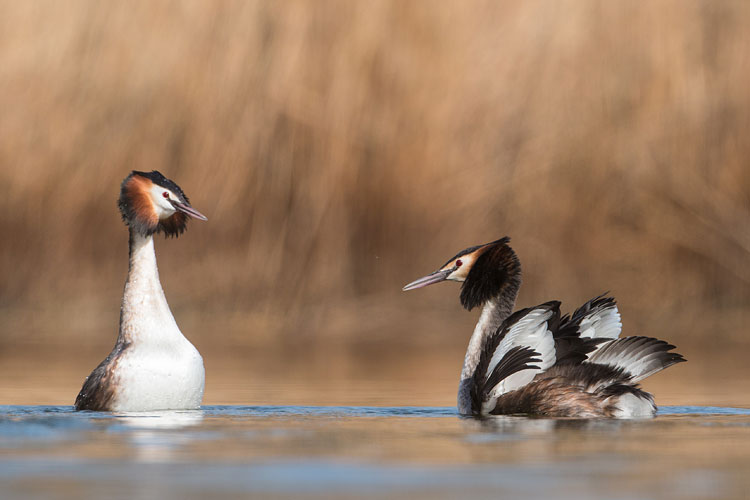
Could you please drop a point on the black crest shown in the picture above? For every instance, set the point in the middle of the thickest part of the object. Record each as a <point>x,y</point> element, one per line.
<point>495,268</point>
<point>157,178</point>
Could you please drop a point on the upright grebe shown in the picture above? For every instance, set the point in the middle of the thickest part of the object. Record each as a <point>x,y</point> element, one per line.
<point>152,366</point>
<point>535,362</point>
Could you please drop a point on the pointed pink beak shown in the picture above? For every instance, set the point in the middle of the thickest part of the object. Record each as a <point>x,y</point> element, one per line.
<point>187,209</point>
<point>435,277</point>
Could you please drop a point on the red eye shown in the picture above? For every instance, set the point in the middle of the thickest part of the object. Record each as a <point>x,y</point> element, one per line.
<point>459,263</point>
<point>165,194</point>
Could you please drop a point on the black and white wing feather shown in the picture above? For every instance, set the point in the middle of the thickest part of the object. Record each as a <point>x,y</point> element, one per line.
<point>596,319</point>
<point>588,328</point>
<point>520,349</point>
<point>637,356</point>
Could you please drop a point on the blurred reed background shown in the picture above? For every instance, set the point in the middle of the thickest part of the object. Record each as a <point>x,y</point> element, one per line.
<point>341,149</point>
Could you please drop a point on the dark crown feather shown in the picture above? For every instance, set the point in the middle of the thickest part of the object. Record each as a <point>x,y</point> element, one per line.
<point>495,268</point>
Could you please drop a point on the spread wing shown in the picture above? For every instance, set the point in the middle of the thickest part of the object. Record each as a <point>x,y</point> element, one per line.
<point>582,333</point>
<point>598,325</point>
<point>521,348</point>
<point>637,356</point>
<point>597,318</point>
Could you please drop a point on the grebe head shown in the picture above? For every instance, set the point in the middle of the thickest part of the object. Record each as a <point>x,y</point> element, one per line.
<point>150,203</point>
<point>483,270</point>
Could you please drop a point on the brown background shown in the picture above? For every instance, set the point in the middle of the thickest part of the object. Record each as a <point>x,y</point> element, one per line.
<point>342,149</point>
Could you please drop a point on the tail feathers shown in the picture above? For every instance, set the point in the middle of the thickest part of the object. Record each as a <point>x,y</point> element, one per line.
<point>638,356</point>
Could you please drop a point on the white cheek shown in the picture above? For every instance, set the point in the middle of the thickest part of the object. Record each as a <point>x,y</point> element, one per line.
<point>462,272</point>
<point>459,274</point>
<point>165,211</point>
<point>163,207</point>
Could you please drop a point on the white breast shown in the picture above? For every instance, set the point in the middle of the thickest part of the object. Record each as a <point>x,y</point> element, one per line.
<point>159,369</point>
<point>167,378</point>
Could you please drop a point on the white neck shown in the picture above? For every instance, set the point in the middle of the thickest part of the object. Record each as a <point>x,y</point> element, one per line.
<point>145,317</point>
<point>493,315</point>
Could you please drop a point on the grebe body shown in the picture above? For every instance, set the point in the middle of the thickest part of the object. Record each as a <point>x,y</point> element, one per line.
<point>537,362</point>
<point>152,365</point>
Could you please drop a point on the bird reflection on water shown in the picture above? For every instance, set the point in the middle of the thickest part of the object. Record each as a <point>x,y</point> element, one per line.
<point>297,452</point>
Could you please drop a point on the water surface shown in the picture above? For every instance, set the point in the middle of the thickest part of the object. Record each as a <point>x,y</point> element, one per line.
<point>370,452</point>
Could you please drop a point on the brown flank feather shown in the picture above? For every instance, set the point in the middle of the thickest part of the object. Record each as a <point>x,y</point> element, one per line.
<point>583,391</point>
<point>99,389</point>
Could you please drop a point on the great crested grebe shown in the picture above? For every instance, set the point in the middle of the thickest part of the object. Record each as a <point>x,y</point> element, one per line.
<point>152,366</point>
<point>535,362</point>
